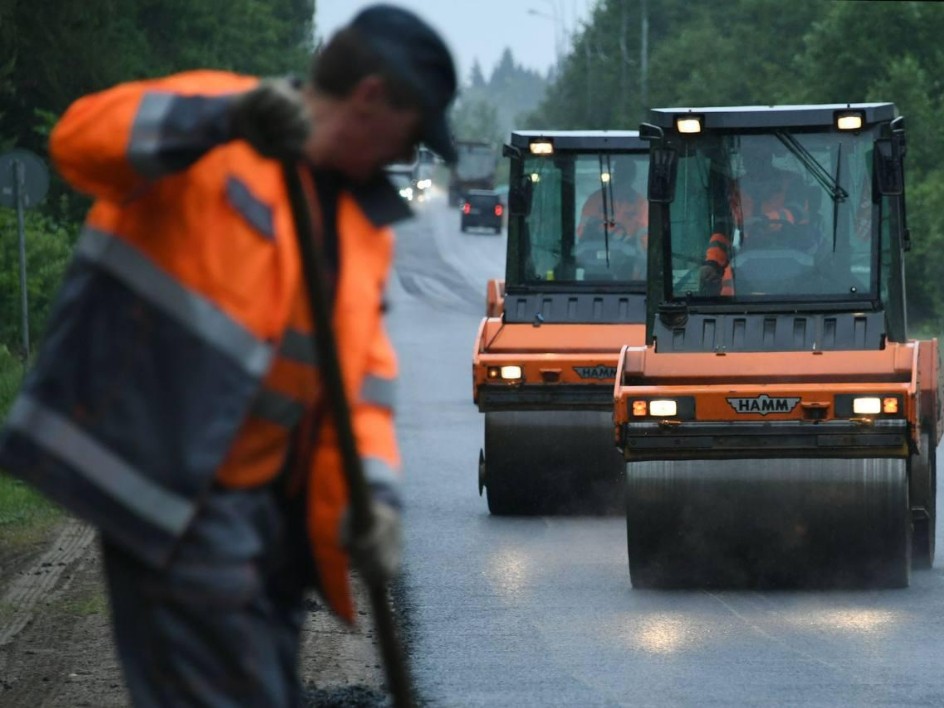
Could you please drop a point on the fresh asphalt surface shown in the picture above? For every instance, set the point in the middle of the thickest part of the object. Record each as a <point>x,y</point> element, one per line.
<point>540,611</point>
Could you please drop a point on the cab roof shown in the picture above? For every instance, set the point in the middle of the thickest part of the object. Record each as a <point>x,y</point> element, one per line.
<point>587,140</point>
<point>759,117</point>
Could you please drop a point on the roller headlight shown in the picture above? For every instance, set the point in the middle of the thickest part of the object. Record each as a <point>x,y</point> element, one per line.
<point>849,120</point>
<point>688,124</point>
<point>663,408</point>
<point>680,408</point>
<point>510,373</point>
<point>867,405</point>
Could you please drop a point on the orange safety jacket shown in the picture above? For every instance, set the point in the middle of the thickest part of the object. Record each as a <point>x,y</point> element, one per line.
<point>629,215</point>
<point>179,352</point>
<point>745,205</point>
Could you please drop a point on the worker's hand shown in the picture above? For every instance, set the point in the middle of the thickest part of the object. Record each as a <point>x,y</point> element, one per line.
<point>377,554</point>
<point>273,118</point>
<point>709,278</point>
<point>597,230</point>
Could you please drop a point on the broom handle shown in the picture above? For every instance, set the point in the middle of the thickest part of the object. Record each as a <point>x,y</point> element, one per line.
<point>313,269</point>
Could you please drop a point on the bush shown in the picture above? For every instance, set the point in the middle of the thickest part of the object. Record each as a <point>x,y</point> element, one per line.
<point>11,374</point>
<point>48,248</point>
<point>24,514</point>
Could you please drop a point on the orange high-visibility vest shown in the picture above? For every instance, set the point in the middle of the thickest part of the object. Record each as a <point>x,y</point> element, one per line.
<point>179,352</point>
<point>746,205</point>
<point>630,216</point>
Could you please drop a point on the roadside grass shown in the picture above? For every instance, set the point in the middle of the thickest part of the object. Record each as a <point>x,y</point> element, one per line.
<point>7,611</point>
<point>25,516</point>
<point>91,601</point>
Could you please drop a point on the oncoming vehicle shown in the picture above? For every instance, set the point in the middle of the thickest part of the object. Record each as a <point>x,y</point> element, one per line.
<point>423,172</point>
<point>414,179</point>
<point>482,209</point>
<point>574,292</point>
<point>475,166</point>
<point>779,425</point>
<point>403,181</point>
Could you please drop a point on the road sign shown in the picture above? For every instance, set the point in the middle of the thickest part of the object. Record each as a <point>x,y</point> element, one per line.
<point>24,181</point>
<point>35,177</point>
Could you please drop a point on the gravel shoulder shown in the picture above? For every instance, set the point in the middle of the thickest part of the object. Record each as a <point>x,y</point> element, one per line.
<point>56,647</point>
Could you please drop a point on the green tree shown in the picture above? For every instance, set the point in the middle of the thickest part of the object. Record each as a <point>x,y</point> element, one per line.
<point>476,77</point>
<point>745,55</point>
<point>58,50</point>
<point>476,119</point>
<point>890,52</point>
<point>249,36</point>
<point>490,109</point>
<point>707,52</point>
<point>54,51</point>
<point>600,82</point>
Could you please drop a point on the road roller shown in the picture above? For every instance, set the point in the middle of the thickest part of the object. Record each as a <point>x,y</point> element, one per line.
<point>545,355</point>
<point>778,424</point>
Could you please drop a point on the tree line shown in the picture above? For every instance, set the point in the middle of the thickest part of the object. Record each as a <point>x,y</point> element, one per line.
<point>635,54</point>
<point>629,55</point>
<point>489,108</point>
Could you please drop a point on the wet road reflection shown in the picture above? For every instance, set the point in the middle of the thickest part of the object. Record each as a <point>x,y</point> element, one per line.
<point>540,611</point>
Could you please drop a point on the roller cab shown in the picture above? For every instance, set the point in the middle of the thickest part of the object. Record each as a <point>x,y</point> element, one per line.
<point>545,356</point>
<point>779,425</point>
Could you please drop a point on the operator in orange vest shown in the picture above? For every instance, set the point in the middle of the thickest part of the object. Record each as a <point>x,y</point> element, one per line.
<point>616,206</point>
<point>176,403</point>
<point>763,200</point>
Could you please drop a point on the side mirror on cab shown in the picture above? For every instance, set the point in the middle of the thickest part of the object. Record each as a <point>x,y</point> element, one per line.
<point>519,197</point>
<point>663,164</point>
<point>889,176</point>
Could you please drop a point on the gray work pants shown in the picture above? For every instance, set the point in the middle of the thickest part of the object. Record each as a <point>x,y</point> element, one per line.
<point>220,625</point>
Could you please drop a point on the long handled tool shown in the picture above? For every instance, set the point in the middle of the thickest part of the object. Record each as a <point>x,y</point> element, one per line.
<point>362,519</point>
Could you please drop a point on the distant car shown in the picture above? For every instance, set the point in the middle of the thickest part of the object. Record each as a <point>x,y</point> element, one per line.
<point>422,188</point>
<point>482,208</point>
<point>403,183</point>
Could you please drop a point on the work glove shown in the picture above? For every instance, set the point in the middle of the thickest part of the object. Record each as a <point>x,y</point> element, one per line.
<point>376,555</point>
<point>273,118</point>
<point>598,230</point>
<point>710,278</point>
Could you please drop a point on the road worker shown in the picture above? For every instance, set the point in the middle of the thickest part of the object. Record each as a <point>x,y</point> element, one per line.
<point>616,206</point>
<point>612,231</point>
<point>766,203</point>
<point>176,403</point>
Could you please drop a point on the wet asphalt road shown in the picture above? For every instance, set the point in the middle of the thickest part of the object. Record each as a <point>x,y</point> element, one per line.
<point>540,612</point>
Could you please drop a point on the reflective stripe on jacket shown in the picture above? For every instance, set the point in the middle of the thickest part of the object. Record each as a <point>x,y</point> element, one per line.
<point>177,353</point>
<point>746,205</point>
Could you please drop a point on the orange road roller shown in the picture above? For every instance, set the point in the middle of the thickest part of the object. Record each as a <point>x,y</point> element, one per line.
<point>545,355</point>
<point>779,425</point>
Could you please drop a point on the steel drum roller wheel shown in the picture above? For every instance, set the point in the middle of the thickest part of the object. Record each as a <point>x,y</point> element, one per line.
<point>546,462</point>
<point>757,523</point>
<point>923,481</point>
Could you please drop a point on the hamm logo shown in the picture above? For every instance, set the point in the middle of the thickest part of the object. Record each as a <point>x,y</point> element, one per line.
<point>763,404</point>
<point>596,372</point>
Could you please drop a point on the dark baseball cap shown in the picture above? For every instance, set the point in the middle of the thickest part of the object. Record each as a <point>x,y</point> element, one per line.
<point>417,54</point>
